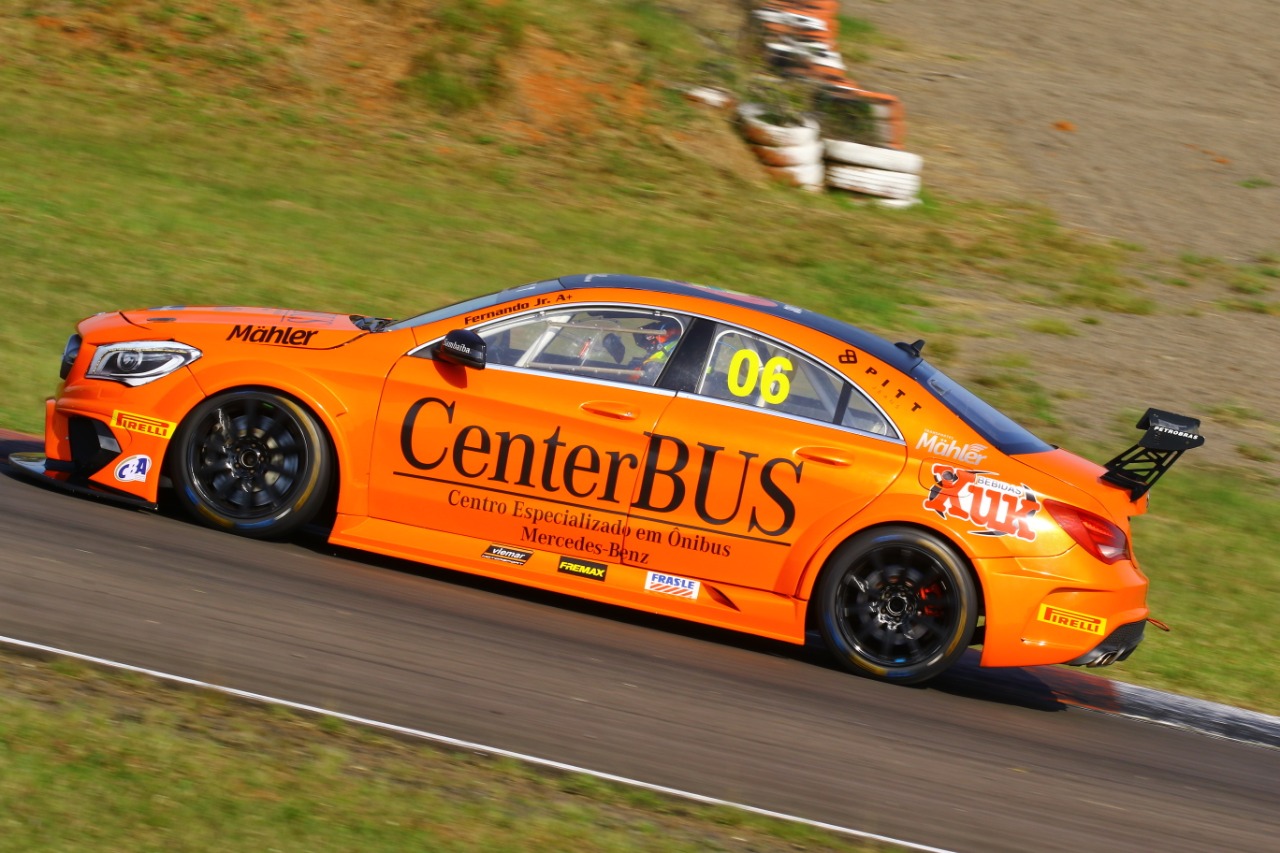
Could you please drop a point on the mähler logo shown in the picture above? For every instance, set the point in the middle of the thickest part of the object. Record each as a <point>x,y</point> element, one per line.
<point>944,445</point>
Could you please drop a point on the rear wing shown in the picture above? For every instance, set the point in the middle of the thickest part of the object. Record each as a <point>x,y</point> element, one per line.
<point>1167,437</point>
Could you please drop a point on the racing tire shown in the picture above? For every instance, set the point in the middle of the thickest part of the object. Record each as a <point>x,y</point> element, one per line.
<point>788,155</point>
<point>877,182</point>
<point>251,462</point>
<point>874,156</point>
<point>807,177</point>
<point>761,132</point>
<point>896,603</point>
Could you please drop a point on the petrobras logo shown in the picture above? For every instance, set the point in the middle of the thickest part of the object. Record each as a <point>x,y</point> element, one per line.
<point>133,469</point>
<point>671,585</point>
<point>944,445</point>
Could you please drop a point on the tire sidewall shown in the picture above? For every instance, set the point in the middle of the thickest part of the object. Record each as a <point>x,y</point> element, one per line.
<point>847,556</point>
<point>303,504</point>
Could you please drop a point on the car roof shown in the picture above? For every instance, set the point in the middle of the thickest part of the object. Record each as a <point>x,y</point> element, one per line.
<point>845,332</point>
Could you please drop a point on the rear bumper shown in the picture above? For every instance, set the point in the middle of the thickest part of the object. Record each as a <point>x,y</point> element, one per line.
<point>1115,648</point>
<point>1068,609</point>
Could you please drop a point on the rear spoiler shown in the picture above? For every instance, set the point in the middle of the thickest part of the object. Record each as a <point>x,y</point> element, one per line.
<point>1167,437</point>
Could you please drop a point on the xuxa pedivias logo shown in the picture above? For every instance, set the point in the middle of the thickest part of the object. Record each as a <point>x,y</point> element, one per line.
<point>1000,508</point>
<point>748,490</point>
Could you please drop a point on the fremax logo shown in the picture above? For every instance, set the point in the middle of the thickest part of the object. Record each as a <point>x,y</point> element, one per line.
<point>945,445</point>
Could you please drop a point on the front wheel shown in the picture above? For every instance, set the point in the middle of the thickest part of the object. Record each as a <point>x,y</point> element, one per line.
<point>252,462</point>
<point>897,603</point>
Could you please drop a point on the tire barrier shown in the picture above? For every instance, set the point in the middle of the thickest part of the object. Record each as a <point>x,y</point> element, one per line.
<point>856,154</point>
<point>756,129</point>
<point>791,153</point>
<point>807,177</point>
<point>880,183</point>
<point>861,149</point>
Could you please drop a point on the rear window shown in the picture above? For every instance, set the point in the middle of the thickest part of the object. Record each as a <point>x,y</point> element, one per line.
<point>1001,431</point>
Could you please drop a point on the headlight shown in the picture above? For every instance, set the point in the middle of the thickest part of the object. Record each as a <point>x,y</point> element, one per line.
<point>140,362</point>
<point>69,355</point>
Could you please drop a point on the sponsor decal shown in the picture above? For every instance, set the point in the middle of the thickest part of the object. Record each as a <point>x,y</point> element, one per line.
<point>582,568</point>
<point>307,318</point>
<point>503,554</point>
<point>999,508</point>
<point>849,356</point>
<point>944,445</point>
<point>285,336</point>
<point>671,585</point>
<point>138,423</point>
<point>672,474</point>
<point>888,387</point>
<point>456,346</point>
<point>133,469</point>
<point>494,312</point>
<point>1177,432</point>
<point>1071,619</point>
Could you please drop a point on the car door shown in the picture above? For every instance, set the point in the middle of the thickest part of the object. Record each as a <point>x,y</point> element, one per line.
<point>769,449</point>
<point>541,449</point>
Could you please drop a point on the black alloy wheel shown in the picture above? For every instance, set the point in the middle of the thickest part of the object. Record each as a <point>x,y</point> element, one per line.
<point>897,603</point>
<point>252,462</point>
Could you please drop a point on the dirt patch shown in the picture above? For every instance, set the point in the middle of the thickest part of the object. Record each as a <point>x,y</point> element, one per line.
<point>1153,122</point>
<point>1149,123</point>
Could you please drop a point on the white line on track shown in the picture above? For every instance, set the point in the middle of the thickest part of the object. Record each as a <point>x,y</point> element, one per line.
<point>468,745</point>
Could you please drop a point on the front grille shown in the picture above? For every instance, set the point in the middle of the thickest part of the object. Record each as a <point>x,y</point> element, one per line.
<point>93,445</point>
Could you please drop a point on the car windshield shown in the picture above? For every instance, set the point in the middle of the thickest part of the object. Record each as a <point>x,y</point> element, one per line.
<point>999,429</point>
<point>473,310</point>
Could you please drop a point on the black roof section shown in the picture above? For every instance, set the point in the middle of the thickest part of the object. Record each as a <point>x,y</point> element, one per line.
<point>838,329</point>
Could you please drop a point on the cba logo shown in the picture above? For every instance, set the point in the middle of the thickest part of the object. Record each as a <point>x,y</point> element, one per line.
<point>133,469</point>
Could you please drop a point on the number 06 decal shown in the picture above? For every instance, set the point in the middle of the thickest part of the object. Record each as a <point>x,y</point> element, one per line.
<point>773,375</point>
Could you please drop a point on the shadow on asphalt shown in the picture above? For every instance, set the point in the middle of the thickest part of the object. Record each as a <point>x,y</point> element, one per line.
<point>1038,689</point>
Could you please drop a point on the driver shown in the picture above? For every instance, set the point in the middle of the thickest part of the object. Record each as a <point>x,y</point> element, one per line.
<point>658,339</point>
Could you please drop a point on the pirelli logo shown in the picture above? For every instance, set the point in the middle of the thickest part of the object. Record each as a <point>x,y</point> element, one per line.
<point>1071,619</point>
<point>582,568</point>
<point>138,423</point>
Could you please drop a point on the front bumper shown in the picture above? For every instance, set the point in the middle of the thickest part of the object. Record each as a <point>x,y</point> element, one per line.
<point>50,472</point>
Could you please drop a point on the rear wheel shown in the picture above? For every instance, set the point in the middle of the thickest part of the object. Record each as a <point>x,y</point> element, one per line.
<point>897,603</point>
<point>252,462</point>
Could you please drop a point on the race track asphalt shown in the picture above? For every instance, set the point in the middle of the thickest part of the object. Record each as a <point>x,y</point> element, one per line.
<point>981,761</point>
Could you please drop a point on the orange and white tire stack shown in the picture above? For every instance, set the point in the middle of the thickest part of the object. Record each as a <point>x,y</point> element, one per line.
<point>791,154</point>
<point>799,38</point>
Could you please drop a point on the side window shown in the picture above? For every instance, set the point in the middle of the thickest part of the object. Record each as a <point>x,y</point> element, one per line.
<point>751,370</point>
<point>617,344</point>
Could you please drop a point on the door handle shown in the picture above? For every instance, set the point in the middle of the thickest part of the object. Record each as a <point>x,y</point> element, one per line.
<point>605,408</point>
<point>826,456</point>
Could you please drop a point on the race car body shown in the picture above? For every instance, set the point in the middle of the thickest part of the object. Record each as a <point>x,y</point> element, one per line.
<point>669,447</point>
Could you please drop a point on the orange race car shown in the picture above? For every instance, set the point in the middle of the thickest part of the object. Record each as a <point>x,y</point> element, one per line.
<point>670,447</point>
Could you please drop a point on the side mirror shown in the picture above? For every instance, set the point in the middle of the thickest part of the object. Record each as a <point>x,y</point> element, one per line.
<point>464,347</point>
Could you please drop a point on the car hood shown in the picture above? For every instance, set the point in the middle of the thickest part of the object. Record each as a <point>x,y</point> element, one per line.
<point>270,326</point>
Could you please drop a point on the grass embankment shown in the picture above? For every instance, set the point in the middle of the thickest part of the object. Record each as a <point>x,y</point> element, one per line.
<point>220,155</point>
<point>108,761</point>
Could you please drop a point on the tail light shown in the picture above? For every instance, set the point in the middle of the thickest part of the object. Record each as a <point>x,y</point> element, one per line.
<point>1092,532</point>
